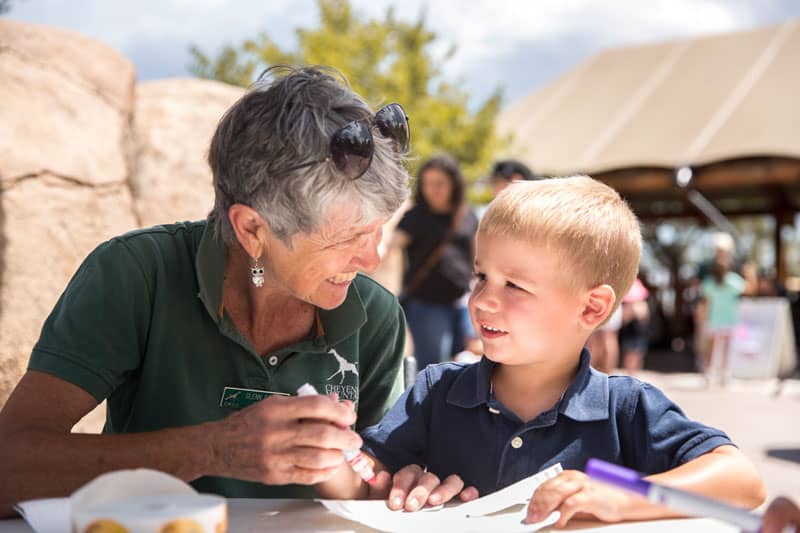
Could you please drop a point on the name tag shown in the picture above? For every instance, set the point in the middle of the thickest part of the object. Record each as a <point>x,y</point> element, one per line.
<point>237,398</point>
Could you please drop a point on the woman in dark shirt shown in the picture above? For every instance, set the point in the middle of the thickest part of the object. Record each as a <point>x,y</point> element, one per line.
<point>437,235</point>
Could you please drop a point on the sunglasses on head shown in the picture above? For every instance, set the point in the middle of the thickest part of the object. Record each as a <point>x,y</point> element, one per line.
<point>351,146</point>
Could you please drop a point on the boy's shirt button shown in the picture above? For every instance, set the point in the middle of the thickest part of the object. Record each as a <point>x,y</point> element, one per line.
<point>273,360</point>
<point>516,442</point>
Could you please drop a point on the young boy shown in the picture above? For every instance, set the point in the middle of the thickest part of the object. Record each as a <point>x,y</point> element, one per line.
<point>553,258</point>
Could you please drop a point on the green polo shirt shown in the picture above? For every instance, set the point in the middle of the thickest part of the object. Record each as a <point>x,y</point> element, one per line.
<point>142,325</point>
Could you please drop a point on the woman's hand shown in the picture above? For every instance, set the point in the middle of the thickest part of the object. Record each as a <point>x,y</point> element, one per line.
<point>283,440</point>
<point>411,488</point>
<point>573,493</point>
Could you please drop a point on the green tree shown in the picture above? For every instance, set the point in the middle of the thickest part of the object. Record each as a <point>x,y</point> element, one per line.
<point>384,60</point>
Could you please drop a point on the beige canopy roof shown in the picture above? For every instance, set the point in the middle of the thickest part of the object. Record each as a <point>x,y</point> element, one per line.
<point>692,101</point>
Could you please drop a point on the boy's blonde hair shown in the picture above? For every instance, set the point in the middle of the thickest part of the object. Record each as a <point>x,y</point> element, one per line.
<point>586,222</point>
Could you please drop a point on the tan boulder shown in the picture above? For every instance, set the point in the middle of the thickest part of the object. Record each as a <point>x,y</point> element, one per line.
<point>78,167</point>
<point>48,226</point>
<point>65,105</point>
<point>173,122</point>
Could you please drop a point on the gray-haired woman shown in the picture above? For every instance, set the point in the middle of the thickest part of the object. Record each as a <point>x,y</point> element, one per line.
<point>186,328</point>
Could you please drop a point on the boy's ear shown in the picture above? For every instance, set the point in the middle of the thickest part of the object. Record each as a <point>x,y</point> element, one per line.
<point>597,306</point>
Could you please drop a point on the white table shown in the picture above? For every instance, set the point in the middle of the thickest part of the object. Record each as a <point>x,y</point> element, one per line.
<point>256,515</point>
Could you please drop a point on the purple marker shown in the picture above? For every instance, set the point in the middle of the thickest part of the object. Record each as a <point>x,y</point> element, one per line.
<point>680,500</point>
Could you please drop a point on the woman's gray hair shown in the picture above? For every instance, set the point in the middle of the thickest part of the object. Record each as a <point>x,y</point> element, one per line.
<point>286,121</point>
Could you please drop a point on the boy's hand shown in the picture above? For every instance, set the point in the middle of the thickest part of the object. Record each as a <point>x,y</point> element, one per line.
<point>573,493</point>
<point>412,488</point>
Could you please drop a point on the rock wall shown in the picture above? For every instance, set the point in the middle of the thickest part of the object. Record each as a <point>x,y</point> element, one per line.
<point>86,154</point>
<point>64,165</point>
<point>173,122</point>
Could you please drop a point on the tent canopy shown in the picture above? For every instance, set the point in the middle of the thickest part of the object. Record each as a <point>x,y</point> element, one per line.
<point>695,101</point>
<point>727,105</point>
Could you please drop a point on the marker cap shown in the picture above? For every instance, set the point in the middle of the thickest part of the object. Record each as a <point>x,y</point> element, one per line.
<point>617,475</point>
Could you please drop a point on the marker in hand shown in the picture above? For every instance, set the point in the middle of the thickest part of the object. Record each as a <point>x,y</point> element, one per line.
<point>354,458</point>
<point>680,500</point>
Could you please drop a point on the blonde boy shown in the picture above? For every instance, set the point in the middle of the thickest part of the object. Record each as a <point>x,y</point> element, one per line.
<point>553,258</point>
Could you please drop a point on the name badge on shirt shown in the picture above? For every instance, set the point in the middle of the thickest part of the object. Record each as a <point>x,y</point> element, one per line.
<point>238,398</point>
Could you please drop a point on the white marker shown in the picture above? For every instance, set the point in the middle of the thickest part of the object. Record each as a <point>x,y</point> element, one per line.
<point>354,458</point>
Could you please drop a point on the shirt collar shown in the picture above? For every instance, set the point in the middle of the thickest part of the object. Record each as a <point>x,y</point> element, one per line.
<point>471,387</point>
<point>334,325</point>
<point>586,397</point>
<point>345,320</point>
<point>210,267</point>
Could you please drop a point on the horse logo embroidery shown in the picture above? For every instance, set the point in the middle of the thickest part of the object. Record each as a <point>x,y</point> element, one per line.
<point>344,366</point>
<point>232,396</point>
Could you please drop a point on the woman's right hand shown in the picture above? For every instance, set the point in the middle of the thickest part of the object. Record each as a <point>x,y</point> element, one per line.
<point>283,440</point>
<point>411,488</point>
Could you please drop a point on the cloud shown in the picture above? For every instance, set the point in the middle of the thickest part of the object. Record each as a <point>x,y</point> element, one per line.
<point>515,43</point>
<point>157,58</point>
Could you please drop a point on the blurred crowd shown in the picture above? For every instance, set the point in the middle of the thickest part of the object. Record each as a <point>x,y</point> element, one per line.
<point>436,237</point>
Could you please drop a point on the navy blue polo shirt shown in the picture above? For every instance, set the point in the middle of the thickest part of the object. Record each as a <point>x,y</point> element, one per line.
<point>450,423</point>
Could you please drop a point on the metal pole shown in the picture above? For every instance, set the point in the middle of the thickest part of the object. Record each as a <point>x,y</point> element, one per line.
<point>409,370</point>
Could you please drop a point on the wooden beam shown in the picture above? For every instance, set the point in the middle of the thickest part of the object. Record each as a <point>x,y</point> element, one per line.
<point>687,213</point>
<point>743,187</point>
<point>748,173</point>
<point>782,218</point>
<point>646,181</point>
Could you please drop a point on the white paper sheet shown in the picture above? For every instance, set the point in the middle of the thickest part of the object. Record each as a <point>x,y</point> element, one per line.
<point>51,515</point>
<point>503,510</point>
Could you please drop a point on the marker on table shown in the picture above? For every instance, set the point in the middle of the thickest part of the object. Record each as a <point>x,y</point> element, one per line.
<point>680,500</point>
<point>354,458</point>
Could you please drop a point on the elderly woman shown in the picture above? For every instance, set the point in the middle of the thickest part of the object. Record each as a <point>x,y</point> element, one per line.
<point>199,334</point>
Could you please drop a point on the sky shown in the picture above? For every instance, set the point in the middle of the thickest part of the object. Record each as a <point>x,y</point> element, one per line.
<point>516,45</point>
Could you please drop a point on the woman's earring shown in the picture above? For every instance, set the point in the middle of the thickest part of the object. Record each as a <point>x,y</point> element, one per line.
<point>257,272</point>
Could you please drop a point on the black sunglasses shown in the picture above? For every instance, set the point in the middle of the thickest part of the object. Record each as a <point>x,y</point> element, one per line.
<point>351,146</point>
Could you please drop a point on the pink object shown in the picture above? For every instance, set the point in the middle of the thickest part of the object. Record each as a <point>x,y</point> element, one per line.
<point>354,458</point>
<point>637,293</point>
<point>360,465</point>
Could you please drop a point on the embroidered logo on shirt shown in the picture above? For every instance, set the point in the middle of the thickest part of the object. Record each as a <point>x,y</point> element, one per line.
<point>344,366</point>
<point>345,392</point>
<point>239,398</point>
<point>232,397</point>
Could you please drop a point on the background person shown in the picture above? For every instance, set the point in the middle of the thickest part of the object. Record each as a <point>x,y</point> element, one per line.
<point>603,343</point>
<point>721,291</point>
<point>437,236</point>
<point>634,335</point>
<point>507,172</point>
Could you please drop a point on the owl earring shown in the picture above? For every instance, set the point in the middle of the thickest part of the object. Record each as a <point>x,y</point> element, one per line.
<point>257,273</point>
